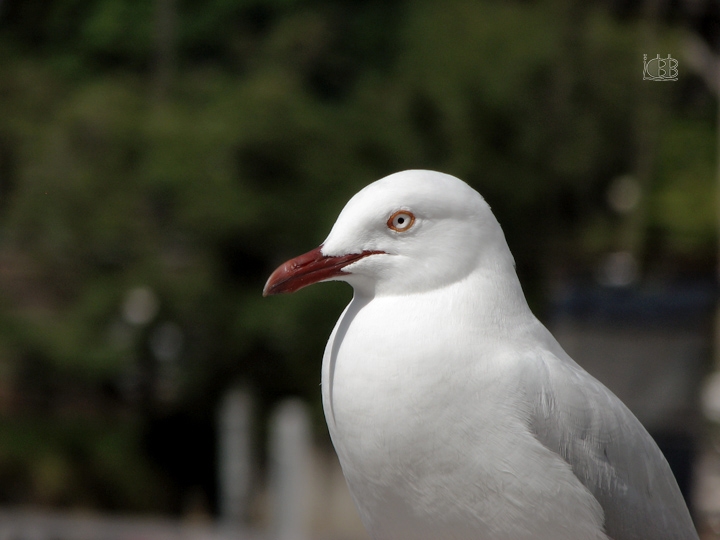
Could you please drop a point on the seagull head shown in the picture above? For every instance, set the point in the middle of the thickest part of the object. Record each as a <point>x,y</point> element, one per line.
<point>409,232</point>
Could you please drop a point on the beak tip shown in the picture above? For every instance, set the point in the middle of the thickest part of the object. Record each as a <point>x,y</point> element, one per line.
<point>270,286</point>
<point>267,291</point>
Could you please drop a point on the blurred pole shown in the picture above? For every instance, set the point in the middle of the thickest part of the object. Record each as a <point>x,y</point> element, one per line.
<point>290,448</point>
<point>703,61</point>
<point>234,459</point>
<point>715,78</point>
<point>165,23</point>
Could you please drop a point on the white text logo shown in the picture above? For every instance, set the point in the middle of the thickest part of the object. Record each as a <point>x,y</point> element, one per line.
<point>660,69</point>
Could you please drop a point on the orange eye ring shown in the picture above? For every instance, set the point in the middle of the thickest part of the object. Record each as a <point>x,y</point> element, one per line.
<point>401,221</point>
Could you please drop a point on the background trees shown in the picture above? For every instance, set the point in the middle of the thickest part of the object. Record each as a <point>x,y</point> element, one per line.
<point>158,159</point>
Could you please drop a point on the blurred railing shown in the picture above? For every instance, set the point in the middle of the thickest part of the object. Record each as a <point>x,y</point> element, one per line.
<point>303,498</point>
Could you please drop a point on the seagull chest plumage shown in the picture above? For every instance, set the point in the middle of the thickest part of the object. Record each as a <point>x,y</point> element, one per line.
<point>454,413</point>
<point>432,429</point>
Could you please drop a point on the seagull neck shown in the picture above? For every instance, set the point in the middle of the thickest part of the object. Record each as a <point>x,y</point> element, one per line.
<point>498,298</point>
<point>490,296</point>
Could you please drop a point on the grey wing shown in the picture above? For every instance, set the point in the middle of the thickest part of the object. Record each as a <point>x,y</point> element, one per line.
<point>610,452</point>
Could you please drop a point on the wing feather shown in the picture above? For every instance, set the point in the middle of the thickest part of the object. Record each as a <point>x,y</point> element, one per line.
<point>610,452</point>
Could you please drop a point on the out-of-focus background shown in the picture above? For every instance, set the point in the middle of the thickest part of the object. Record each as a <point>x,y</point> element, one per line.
<point>158,158</point>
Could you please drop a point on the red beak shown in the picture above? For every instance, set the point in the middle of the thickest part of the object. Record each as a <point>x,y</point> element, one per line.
<point>307,269</point>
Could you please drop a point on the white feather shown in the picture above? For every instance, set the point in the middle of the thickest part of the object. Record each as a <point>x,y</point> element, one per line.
<point>454,412</point>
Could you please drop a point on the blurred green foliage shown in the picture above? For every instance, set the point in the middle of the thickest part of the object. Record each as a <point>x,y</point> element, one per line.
<point>272,114</point>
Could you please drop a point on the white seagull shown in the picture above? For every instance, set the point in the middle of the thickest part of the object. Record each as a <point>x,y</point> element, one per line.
<point>454,412</point>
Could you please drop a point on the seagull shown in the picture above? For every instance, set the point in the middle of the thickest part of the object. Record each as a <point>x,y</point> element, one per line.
<point>454,412</point>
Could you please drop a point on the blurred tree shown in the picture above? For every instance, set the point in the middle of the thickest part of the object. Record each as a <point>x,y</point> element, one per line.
<point>158,159</point>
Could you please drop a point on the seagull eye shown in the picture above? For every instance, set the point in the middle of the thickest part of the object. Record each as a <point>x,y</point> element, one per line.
<point>401,221</point>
